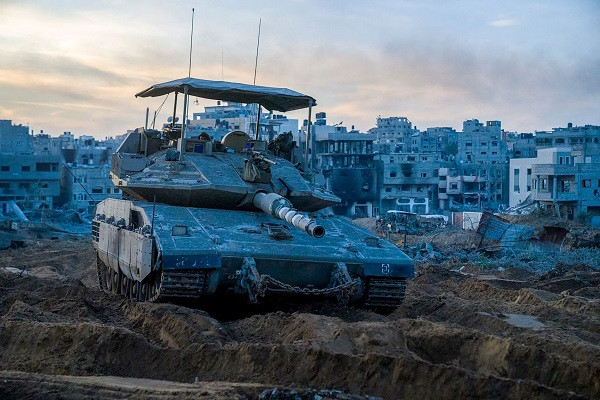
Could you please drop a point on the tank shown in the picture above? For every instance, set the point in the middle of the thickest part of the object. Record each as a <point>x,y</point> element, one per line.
<point>236,218</point>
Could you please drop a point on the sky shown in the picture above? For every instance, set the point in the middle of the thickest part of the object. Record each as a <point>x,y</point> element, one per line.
<point>76,65</point>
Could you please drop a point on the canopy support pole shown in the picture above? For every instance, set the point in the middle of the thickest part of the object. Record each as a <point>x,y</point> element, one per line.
<point>180,145</point>
<point>308,137</point>
<point>174,110</point>
<point>257,123</point>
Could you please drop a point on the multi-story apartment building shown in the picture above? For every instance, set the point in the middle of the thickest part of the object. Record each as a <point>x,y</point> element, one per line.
<point>408,182</point>
<point>566,179</point>
<point>346,160</point>
<point>436,140</point>
<point>522,146</point>
<point>580,138</point>
<point>31,181</point>
<point>472,186</point>
<point>221,119</point>
<point>14,139</point>
<point>394,134</point>
<point>478,179</point>
<point>481,144</point>
<point>87,185</point>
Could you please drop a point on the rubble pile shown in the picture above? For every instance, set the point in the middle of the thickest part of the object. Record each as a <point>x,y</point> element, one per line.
<point>464,331</point>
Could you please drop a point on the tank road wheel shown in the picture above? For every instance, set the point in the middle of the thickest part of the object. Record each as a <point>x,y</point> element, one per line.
<point>108,279</point>
<point>101,271</point>
<point>118,279</point>
<point>144,291</point>
<point>114,277</point>
<point>125,286</point>
<point>136,291</point>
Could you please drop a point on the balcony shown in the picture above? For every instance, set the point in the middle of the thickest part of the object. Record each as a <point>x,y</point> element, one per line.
<point>570,196</point>
<point>560,196</point>
<point>559,169</point>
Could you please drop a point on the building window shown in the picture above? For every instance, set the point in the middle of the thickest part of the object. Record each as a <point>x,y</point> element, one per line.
<point>116,190</point>
<point>516,187</point>
<point>586,183</point>
<point>25,168</point>
<point>454,185</point>
<point>545,184</point>
<point>5,168</point>
<point>529,179</point>
<point>46,167</point>
<point>107,190</point>
<point>388,189</point>
<point>97,190</point>
<point>392,174</point>
<point>423,174</point>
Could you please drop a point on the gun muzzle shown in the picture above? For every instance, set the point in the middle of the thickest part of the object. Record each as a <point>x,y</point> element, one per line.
<point>281,208</point>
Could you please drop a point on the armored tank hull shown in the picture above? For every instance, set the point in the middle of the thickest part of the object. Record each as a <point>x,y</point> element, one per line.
<point>156,252</point>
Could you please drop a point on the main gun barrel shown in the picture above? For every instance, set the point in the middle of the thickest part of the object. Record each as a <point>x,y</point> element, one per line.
<point>281,208</point>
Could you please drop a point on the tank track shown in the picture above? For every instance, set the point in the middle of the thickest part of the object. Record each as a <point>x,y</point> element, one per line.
<point>384,293</point>
<point>180,284</point>
<point>166,285</point>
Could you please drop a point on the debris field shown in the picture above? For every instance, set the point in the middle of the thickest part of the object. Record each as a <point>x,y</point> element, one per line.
<point>465,330</point>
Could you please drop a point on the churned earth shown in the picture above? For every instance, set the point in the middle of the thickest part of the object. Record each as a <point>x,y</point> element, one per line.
<point>461,333</point>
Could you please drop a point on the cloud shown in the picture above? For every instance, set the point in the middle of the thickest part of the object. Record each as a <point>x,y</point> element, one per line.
<point>504,23</point>
<point>68,66</point>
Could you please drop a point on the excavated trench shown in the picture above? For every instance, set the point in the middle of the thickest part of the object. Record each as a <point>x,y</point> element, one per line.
<point>455,336</point>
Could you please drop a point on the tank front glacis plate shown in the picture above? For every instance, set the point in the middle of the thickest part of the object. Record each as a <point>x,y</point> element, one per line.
<point>388,269</point>
<point>199,237</point>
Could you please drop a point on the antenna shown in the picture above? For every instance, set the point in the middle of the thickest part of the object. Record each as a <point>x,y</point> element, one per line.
<point>257,45</point>
<point>255,67</point>
<point>191,43</point>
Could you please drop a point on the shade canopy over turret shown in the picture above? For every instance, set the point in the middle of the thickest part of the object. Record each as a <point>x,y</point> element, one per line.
<point>278,99</point>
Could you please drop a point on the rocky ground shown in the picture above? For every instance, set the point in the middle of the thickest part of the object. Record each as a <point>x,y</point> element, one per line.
<point>464,331</point>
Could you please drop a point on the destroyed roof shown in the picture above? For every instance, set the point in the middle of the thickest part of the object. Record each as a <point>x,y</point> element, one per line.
<point>279,99</point>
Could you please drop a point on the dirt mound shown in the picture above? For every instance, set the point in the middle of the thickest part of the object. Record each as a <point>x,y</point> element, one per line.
<point>457,335</point>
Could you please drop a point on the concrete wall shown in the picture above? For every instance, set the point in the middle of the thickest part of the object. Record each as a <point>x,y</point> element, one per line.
<point>519,190</point>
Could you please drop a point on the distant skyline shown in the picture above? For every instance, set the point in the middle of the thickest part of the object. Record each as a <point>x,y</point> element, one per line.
<point>534,65</point>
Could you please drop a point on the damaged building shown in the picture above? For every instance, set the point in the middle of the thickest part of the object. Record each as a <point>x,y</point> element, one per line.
<point>478,178</point>
<point>32,181</point>
<point>346,161</point>
<point>564,174</point>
